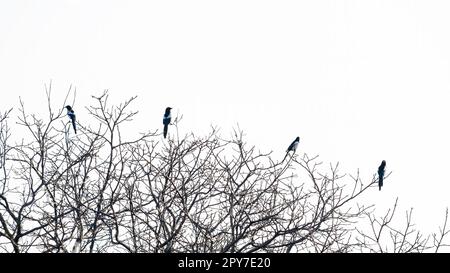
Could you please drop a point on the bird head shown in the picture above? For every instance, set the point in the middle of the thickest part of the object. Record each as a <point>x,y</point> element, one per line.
<point>68,107</point>
<point>297,139</point>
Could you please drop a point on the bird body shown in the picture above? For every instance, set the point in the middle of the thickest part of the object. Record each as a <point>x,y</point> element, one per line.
<point>381,174</point>
<point>292,147</point>
<point>166,120</point>
<point>72,117</point>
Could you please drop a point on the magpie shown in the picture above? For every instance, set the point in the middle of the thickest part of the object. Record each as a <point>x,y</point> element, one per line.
<point>71,115</point>
<point>166,120</point>
<point>292,147</point>
<point>381,174</point>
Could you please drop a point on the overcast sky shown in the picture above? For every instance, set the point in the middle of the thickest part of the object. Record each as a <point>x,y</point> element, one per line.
<point>358,81</point>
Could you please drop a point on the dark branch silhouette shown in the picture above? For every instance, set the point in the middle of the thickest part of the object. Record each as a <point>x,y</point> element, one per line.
<point>101,192</point>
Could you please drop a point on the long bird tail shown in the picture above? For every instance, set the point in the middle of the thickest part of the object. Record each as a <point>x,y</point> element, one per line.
<point>74,126</point>
<point>285,156</point>
<point>380,182</point>
<point>166,126</point>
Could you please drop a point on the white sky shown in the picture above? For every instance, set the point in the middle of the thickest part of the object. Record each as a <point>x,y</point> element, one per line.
<point>358,81</point>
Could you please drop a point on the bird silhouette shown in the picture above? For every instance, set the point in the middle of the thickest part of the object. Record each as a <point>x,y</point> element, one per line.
<point>292,147</point>
<point>166,120</point>
<point>72,117</point>
<point>381,174</point>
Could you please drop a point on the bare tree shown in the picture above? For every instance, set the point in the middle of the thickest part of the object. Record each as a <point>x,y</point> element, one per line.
<point>384,236</point>
<point>97,192</point>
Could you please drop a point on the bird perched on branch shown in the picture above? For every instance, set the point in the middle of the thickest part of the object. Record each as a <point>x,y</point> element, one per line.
<point>72,117</point>
<point>381,174</point>
<point>166,120</point>
<point>292,147</point>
